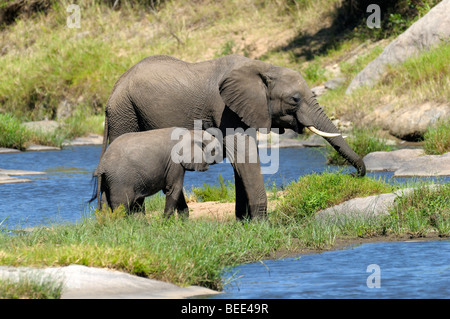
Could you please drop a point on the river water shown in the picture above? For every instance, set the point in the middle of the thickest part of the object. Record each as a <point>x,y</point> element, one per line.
<point>390,270</point>
<point>407,270</point>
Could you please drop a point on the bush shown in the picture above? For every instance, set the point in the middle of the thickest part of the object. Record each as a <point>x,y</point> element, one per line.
<point>437,139</point>
<point>13,134</point>
<point>222,193</point>
<point>315,192</point>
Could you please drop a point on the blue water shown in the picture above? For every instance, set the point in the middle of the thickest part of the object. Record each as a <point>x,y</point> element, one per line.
<point>376,270</point>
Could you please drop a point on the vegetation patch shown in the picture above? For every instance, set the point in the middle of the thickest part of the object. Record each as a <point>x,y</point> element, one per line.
<point>437,139</point>
<point>315,192</point>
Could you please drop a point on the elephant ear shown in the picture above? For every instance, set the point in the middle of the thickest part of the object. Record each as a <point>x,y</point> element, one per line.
<point>244,90</point>
<point>195,160</point>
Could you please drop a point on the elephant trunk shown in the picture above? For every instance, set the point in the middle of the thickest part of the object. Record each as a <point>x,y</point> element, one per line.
<point>312,116</point>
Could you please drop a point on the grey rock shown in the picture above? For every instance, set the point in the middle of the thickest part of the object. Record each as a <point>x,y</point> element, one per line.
<point>4,150</point>
<point>39,148</point>
<point>319,90</point>
<point>45,126</point>
<point>429,165</point>
<point>408,122</point>
<point>363,207</point>
<point>288,133</point>
<point>16,172</point>
<point>6,179</point>
<point>333,84</point>
<point>430,30</point>
<point>6,176</point>
<point>82,282</point>
<point>91,139</point>
<point>390,161</point>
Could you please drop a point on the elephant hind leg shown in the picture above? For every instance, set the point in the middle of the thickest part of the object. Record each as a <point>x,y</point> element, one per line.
<point>125,198</point>
<point>137,206</point>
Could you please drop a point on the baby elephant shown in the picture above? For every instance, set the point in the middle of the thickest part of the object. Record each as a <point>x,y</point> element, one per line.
<point>137,165</point>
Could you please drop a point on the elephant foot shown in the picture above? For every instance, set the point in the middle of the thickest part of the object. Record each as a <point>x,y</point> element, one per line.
<point>253,212</point>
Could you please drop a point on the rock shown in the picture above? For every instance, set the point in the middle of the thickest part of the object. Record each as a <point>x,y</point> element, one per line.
<point>64,109</point>
<point>430,30</point>
<point>8,150</point>
<point>389,161</point>
<point>319,90</point>
<point>364,207</point>
<point>313,141</point>
<point>343,126</point>
<point>333,84</point>
<point>429,165</point>
<point>411,122</point>
<point>6,176</point>
<point>35,148</point>
<point>288,133</point>
<point>6,179</point>
<point>99,283</point>
<point>91,139</point>
<point>45,126</point>
<point>16,172</point>
<point>408,162</point>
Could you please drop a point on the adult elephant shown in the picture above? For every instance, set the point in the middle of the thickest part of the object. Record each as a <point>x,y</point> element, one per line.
<point>227,93</point>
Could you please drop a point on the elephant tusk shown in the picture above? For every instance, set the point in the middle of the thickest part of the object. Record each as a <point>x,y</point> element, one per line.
<point>324,134</point>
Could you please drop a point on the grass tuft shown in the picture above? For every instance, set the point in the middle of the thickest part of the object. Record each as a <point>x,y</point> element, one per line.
<point>437,138</point>
<point>318,191</point>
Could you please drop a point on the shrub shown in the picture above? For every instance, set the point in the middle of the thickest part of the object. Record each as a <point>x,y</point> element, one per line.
<point>222,193</point>
<point>437,139</point>
<point>315,192</point>
<point>12,133</point>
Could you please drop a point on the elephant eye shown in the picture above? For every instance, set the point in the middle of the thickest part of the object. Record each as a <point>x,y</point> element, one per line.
<point>295,99</point>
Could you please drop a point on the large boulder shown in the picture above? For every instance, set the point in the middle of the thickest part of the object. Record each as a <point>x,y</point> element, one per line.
<point>390,161</point>
<point>408,162</point>
<point>429,165</point>
<point>409,122</point>
<point>430,30</point>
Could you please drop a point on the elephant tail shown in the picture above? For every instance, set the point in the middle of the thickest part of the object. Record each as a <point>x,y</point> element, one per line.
<point>105,136</point>
<point>97,188</point>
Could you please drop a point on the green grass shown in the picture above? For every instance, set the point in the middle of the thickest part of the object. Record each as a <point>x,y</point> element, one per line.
<point>31,286</point>
<point>196,252</point>
<point>427,206</point>
<point>221,192</point>
<point>437,139</point>
<point>319,191</point>
<point>15,135</point>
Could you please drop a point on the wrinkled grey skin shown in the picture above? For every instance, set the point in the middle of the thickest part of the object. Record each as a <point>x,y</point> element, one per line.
<point>228,92</point>
<point>137,165</point>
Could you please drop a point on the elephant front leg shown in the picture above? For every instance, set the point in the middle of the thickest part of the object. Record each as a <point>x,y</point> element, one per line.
<point>171,204</point>
<point>182,207</point>
<point>251,198</point>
